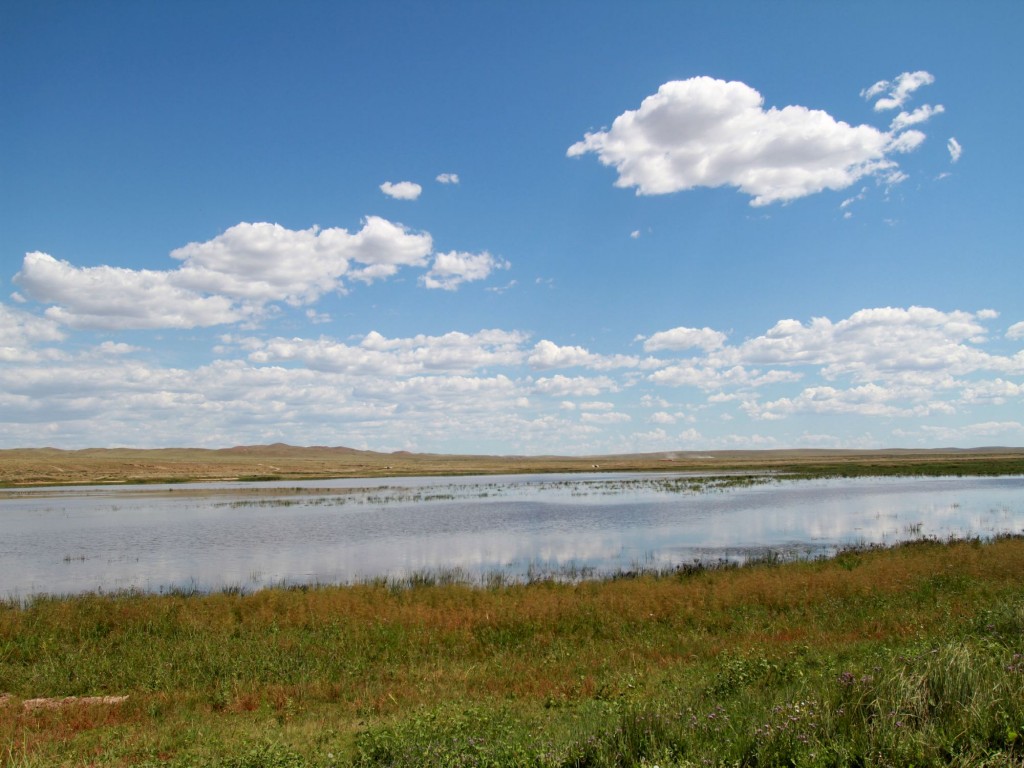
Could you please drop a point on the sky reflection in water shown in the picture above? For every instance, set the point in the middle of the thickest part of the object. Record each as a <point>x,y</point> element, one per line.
<point>214,535</point>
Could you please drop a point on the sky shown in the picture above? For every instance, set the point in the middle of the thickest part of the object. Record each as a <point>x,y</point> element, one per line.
<point>511,227</point>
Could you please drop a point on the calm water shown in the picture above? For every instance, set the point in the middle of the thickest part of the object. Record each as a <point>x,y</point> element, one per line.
<point>214,535</point>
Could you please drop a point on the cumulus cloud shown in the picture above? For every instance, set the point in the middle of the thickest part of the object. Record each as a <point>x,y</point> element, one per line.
<point>1015,331</point>
<point>662,417</point>
<point>452,269</point>
<point>685,338</point>
<point>955,150</point>
<point>376,354</point>
<point>21,333</point>
<point>447,178</point>
<point>402,190</point>
<point>18,328</point>
<point>267,262</point>
<point>604,418</point>
<point>865,400</point>
<point>232,277</point>
<point>876,343</point>
<point>899,363</point>
<point>457,389</point>
<point>704,132</point>
<point>708,375</point>
<point>574,386</point>
<point>996,391</point>
<point>547,354</point>
<point>112,297</point>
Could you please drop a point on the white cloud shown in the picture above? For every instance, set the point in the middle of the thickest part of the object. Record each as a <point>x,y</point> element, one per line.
<point>402,190</point>
<point>21,333</point>
<point>996,391</point>
<point>707,375</point>
<point>994,427</point>
<point>871,400</point>
<point>878,343</point>
<point>900,363</point>
<point>851,200</point>
<point>704,132</point>
<point>685,338</point>
<point>898,91</point>
<point>904,142</point>
<point>453,352</point>
<point>650,401</point>
<point>635,234</point>
<point>267,262</point>
<point>577,386</point>
<point>547,354</point>
<point>111,297</point>
<point>955,150</point>
<point>451,269</point>
<point>1015,331</point>
<point>18,328</point>
<point>874,90</point>
<point>1010,431</point>
<point>115,348</point>
<point>224,280</point>
<point>447,178</point>
<point>920,115</point>
<point>604,418</point>
<point>915,368</point>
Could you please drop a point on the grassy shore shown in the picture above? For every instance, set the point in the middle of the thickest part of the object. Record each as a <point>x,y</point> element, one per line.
<point>897,657</point>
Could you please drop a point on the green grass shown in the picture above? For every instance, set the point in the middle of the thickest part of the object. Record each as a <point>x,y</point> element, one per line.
<point>907,656</point>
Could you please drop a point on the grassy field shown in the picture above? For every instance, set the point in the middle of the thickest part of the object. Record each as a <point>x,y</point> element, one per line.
<point>48,466</point>
<point>898,657</point>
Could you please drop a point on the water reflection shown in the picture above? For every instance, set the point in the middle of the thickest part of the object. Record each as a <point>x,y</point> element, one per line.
<point>215,535</point>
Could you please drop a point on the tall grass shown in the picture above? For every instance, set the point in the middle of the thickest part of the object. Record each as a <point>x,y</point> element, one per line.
<point>877,657</point>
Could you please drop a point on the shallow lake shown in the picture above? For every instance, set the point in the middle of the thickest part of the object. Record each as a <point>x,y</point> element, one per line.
<point>215,535</point>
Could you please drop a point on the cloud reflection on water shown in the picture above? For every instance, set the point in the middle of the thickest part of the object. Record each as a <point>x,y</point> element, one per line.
<point>254,536</point>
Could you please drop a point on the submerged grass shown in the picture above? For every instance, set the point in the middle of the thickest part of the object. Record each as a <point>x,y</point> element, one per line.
<point>907,656</point>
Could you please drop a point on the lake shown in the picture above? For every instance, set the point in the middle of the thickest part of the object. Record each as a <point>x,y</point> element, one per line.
<point>210,536</point>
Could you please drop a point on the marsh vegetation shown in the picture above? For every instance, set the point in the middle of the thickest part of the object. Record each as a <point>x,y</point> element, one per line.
<point>900,656</point>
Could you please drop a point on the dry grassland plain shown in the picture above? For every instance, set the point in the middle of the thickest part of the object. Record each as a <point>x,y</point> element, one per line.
<point>48,466</point>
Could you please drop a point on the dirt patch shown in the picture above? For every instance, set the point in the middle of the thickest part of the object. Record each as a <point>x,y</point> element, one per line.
<point>30,705</point>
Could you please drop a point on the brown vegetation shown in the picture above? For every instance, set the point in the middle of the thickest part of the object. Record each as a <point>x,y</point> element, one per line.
<point>49,466</point>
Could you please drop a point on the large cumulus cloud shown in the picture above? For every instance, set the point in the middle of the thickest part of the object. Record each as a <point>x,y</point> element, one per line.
<point>705,132</point>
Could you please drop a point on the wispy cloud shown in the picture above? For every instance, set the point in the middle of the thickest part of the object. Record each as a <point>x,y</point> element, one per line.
<point>955,150</point>
<point>896,92</point>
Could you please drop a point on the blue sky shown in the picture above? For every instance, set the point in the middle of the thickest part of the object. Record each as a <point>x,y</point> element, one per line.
<point>522,227</point>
